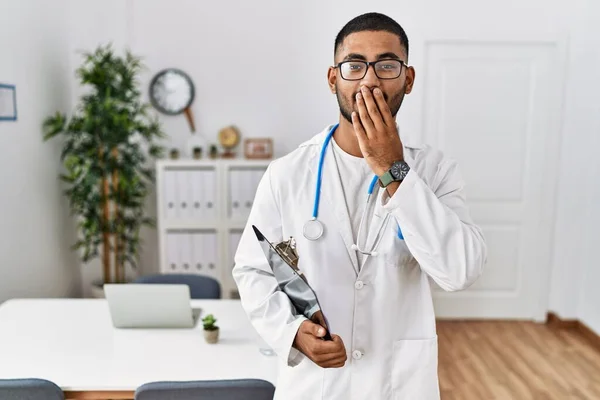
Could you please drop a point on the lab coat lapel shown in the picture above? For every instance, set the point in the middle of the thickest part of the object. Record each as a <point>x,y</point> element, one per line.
<point>377,225</point>
<point>332,192</point>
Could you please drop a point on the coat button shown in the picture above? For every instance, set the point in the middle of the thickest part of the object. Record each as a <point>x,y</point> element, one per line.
<point>359,285</point>
<point>357,354</point>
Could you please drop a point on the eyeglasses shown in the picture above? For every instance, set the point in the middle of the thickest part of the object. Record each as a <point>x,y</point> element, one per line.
<point>384,69</point>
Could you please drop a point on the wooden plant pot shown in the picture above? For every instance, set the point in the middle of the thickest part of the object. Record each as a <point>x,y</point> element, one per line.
<point>211,337</point>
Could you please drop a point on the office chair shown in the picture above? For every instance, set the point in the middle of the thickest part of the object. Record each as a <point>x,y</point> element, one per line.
<point>29,389</point>
<point>201,287</point>
<point>233,389</point>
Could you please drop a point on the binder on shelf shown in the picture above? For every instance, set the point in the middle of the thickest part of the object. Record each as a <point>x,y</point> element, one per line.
<point>185,251</point>
<point>198,252</point>
<point>212,253</point>
<point>210,193</point>
<point>170,194</point>
<point>184,194</point>
<point>172,252</point>
<point>248,192</point>
<point>235,190</point>
<point>197,186</point>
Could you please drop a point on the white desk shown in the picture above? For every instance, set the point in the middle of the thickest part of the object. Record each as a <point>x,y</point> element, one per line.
<point>72,342</point>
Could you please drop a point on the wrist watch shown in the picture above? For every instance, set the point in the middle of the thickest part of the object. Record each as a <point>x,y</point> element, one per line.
<point>396,173</point>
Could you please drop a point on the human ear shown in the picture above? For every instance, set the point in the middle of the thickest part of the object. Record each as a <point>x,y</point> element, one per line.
<point>410,79</point>
<point>331,79</point>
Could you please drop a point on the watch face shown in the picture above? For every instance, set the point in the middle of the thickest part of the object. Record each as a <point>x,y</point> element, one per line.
<point>399,170</point>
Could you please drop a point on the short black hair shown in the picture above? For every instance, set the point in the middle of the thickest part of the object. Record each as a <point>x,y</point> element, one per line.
<point>371,22</point>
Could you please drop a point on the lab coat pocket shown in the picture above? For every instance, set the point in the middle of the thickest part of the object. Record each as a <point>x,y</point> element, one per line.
<point>414,369</point>
<point>397,253</point>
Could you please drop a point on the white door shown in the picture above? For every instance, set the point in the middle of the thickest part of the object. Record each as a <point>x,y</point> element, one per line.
<point>491,98</point>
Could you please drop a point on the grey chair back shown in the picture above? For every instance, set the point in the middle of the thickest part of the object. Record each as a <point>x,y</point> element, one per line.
<point>29,389</point>
<point>232,389</point>
<point>201,287</point>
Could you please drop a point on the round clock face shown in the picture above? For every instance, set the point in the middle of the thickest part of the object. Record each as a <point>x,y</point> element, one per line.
<point>171,91</point>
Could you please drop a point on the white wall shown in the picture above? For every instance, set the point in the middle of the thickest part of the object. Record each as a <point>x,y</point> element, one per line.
<point>575,270</point>
<point>589,301</point>
<point>35,230</point>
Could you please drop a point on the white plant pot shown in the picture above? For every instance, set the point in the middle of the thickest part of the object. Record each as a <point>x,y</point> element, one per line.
<point>96,290</point>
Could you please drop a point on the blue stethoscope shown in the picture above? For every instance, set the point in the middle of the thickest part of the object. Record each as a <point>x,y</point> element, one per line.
<point>313,228</point>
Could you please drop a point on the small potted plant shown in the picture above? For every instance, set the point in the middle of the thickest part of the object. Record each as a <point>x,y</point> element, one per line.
<point>197,153</point>
<point>214,152</point>
<point>211,331</point>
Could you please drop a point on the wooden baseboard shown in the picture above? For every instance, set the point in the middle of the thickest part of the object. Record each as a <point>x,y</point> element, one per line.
<point>555,321</point>
<point>100,395</point>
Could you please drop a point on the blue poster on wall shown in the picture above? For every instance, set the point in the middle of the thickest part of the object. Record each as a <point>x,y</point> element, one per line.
<point>8,102</point>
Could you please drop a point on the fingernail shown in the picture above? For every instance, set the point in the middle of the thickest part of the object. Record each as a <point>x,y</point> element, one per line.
<point>321,331</point>
<point>377,92</point>
<point>364,89</point>
<point>358,96</point>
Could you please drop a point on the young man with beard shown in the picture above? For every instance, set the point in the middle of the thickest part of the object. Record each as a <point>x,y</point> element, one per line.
<point>369,262</point>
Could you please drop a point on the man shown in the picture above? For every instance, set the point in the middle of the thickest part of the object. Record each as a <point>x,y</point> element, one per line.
<point>370,266</point>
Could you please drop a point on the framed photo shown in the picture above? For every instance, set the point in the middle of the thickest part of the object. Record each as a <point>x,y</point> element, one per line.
<point>8,102</point>
<point>258,148</point>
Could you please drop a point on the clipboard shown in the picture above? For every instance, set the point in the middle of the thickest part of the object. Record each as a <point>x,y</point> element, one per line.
<point>282,258</point>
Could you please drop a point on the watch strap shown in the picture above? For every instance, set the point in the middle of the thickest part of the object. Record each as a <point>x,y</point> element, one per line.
<point>386,179</point>
<point>400,170</point>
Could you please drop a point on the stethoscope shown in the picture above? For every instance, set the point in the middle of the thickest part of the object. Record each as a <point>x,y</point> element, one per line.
<point>313,228</point>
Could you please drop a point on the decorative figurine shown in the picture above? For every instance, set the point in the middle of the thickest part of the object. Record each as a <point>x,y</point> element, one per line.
<point>229,138</point>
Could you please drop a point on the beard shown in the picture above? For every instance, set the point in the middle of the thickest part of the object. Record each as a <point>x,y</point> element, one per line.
<point>347,105</point>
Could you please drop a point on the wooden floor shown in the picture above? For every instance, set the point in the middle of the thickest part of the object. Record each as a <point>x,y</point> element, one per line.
<point>516,361</point>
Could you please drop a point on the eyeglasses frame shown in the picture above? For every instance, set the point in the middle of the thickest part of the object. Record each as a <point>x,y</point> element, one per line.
<point>403,64</point>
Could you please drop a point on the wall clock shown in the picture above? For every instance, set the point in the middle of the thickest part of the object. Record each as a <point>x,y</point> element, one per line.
<point>172,93</point>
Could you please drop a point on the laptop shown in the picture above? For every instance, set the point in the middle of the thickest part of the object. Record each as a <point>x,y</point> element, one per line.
<point>147,305</point>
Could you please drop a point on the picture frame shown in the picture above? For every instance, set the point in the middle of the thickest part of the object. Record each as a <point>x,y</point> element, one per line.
<point>258,148</point>
<point>8,102</point>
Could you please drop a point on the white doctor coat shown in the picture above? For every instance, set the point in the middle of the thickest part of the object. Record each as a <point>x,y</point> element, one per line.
<point>384,313</point>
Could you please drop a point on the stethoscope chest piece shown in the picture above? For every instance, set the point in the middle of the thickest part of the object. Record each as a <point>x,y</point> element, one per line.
<point>313,229</point>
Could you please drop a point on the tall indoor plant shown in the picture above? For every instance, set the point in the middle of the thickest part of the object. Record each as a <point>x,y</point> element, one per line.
<point>108,142</point>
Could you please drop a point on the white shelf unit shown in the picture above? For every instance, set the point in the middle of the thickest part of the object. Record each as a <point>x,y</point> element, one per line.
<point>202,209</point>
